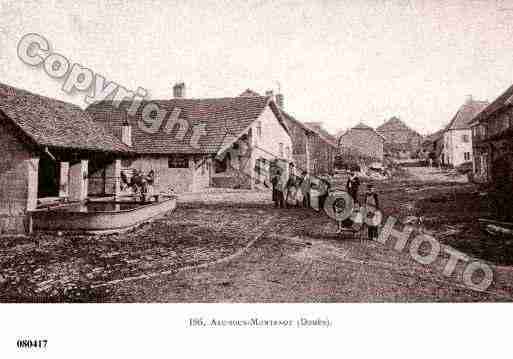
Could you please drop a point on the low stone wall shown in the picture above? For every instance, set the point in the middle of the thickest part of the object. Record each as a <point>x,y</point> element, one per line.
<point>231,182</point>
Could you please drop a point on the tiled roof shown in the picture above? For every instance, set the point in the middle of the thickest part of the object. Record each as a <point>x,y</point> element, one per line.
<point>362,126</point>
<point>223,118</point>
<point>53,123</point>
<point>328,137</point>
<point>465,115</point>
<point>504,100</point>
<point>394,124</point>
<point>501,102</point>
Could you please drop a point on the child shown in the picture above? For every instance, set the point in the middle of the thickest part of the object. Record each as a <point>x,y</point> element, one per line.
<point>371,200</point>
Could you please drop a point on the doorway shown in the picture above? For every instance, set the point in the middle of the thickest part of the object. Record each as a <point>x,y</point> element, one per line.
<point>48,178</point>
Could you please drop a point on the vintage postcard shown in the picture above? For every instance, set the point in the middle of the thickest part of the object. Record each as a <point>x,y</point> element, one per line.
<point>254,152</point>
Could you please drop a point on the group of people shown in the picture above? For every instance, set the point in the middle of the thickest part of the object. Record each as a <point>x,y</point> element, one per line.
<point>292,188</point>
<point>140,183</point>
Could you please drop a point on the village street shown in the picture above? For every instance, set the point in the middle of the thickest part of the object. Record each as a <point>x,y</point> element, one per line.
<point>234,246</point>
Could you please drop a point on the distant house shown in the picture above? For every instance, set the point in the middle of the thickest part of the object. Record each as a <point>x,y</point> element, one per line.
<point>313,149</point>
<point>240,135</point>
<point>432,146</point>
<point>49,148</point>
<point>457,136</point>
<point>400,140</point>
<point>365,140</point>
<point>319,128</point>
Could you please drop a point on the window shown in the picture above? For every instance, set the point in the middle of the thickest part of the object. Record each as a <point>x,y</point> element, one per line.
<point>222,165</point>
<point>466,156</point>
<point>464,138</point>
<point>280,150</point>
<point>178,161</point>
<point>259,129</point>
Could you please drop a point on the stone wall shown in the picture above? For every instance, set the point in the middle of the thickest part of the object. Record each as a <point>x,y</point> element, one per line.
<point>18,182</point>
<point>193,178</point>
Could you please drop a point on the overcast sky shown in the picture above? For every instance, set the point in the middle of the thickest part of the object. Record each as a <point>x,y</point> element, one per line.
<point>339,62</point>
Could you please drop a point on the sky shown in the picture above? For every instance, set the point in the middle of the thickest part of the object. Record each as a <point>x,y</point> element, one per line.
<point>336,62</point>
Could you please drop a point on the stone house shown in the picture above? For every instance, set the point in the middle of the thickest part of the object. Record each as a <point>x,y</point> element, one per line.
<point>457,136</point>
<point>492,134</point>
<point>365,140</point>
<point>48,148</point>
<point>400,141</point>
<point>312,149</point>
<point>236,140</point>
<point>492,140</point>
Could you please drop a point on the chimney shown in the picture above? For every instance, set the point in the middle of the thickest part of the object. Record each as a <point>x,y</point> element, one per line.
<point>468,99</point>
<point>179,90</point>
<point>279,100</point>
<point>126,133</point>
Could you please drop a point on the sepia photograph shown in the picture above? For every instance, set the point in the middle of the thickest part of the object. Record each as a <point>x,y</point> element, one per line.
<point>201,155</point>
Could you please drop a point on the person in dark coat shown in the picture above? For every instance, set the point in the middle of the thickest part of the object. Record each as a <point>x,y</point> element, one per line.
<point>278,187</point>
<point>352,185</point>
<point>291,186</point>
<point>371,200</point>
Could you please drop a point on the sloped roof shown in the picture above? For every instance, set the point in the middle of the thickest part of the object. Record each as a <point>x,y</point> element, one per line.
<point>223,118</point>
<point>54,123</point>
<point>328,137</point>
<point>362,127</point>
<point>466,114</point>
<point>394,124</point>
<point>504,100</point>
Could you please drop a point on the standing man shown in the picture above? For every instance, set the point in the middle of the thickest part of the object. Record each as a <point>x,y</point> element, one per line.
<point>305,188</point>
<point>278,184</point>
<point>352,185</point>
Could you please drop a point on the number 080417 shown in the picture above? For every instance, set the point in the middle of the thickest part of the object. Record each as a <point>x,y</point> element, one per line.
<point>32,343</point>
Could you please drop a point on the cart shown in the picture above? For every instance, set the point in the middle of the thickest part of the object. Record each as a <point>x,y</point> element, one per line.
<point>353,223</point>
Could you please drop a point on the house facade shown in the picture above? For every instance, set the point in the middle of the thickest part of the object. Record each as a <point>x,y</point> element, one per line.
<point>492,137</point>
<point>492,133</point>
<point>236,135</point>
<point>401,141</point>
<point>457,136</point>
<point>365,140</point>
<point>312,150</point>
